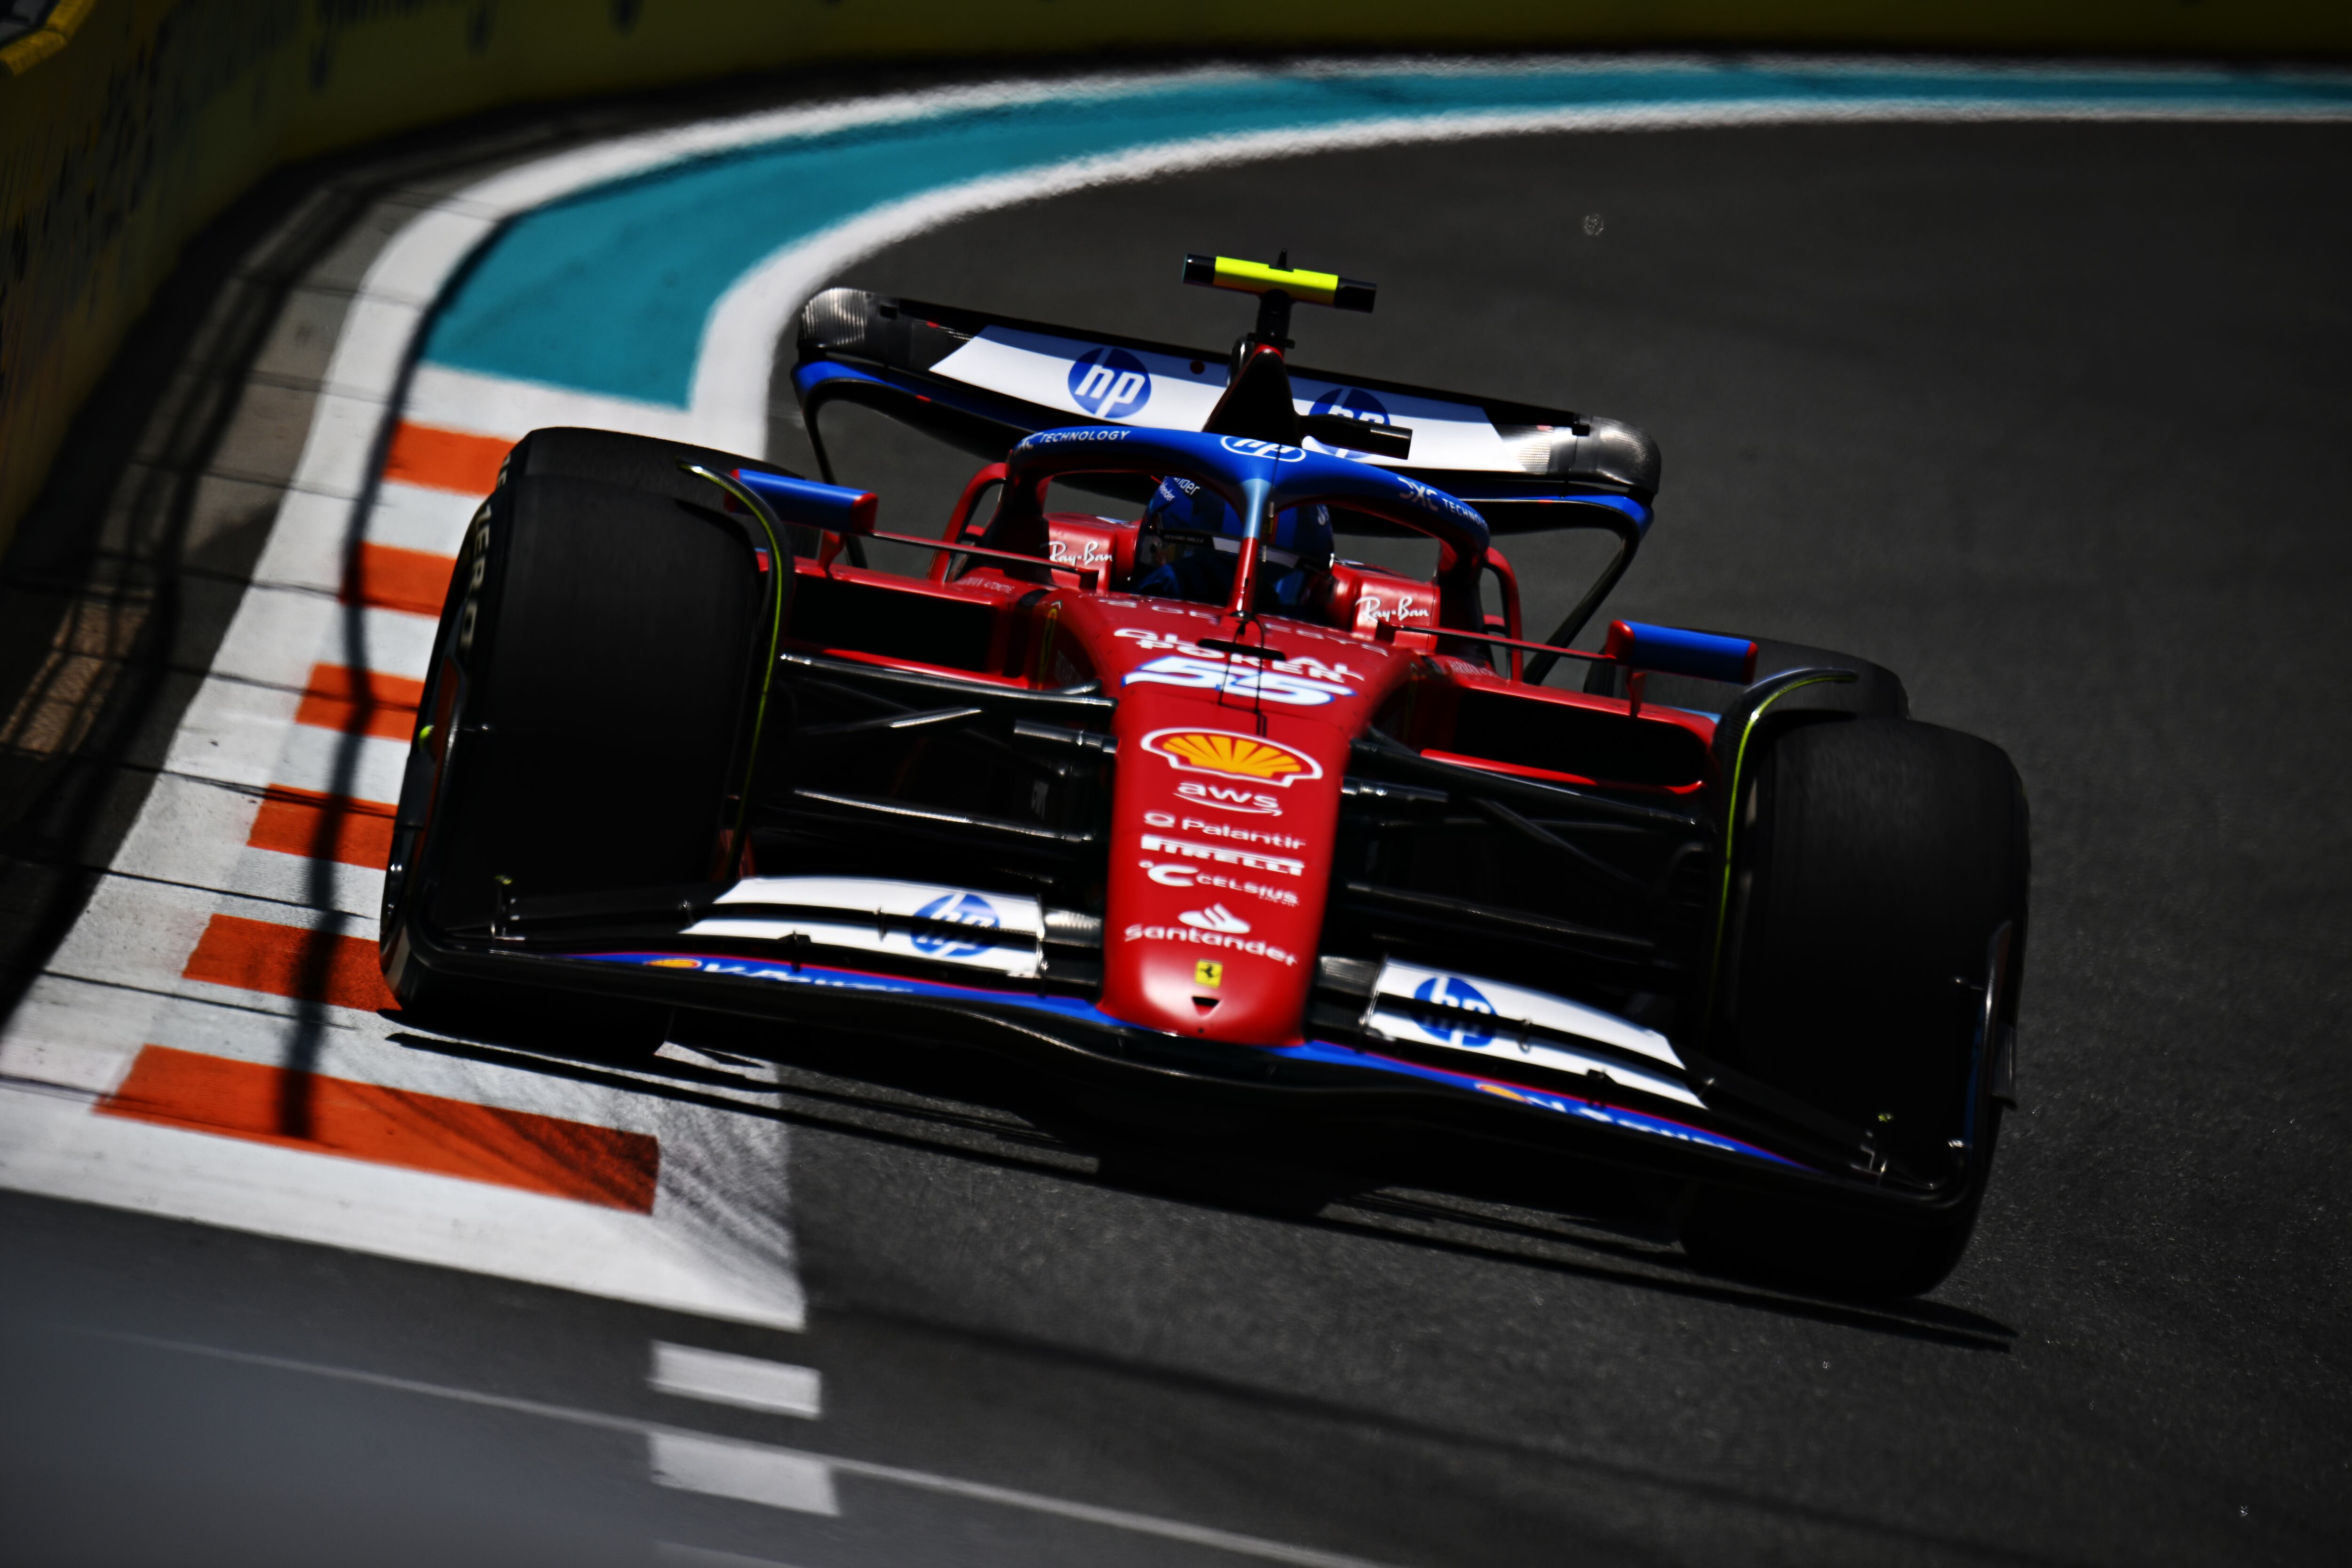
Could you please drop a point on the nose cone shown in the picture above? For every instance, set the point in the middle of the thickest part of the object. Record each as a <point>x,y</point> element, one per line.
<point>1220,858</point>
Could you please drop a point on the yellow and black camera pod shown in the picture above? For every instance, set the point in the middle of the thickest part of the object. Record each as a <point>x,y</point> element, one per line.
<point>1278,287</point>
<point>1267,410</point>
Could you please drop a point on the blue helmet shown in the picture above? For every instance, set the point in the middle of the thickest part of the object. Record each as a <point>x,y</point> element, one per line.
<point>1180,506</point>
<point>1181,511</point>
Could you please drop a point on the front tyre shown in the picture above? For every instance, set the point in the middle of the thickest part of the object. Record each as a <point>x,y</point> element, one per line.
<point>581,721</point>
<point>1878,893</point>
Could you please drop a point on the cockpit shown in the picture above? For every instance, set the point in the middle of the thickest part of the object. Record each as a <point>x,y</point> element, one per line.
<point>1189,545</point>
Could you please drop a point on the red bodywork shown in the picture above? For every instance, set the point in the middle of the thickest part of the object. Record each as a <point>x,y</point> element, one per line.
<point>1229,768</point>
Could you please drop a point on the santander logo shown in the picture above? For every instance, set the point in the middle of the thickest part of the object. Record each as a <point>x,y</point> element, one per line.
<point>1216,917</point>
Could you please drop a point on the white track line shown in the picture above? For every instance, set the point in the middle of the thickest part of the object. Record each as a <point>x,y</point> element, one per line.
<point>1241,1545</point>
<point>747,1381</point>
<point>493,405</point>
<point>747,1472</point>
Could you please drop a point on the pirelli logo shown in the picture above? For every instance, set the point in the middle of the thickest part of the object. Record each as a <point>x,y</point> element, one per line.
<point>1224,855</point>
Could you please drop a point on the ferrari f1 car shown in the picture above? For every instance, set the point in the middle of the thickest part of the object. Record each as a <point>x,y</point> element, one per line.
<point>1191,807</point>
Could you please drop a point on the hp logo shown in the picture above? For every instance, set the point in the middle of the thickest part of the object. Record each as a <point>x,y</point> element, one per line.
<point>1110,384</point>
<point>1351,403</point>
<point>1250,447</point>
<point>1452,991</point>
<point>954,909</point>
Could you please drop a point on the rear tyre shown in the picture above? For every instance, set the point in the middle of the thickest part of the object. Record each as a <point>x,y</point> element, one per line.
<point>580,727</point>
<point>1875,859</point>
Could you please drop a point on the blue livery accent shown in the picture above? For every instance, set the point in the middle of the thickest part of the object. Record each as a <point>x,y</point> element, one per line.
<point>817,372</point>
<point>1540,1098</point>
<point>826,978</point>
<point>1352,403</point>
<point>1671,650</point>
<point>1256,478</point>
<point>836,507</point>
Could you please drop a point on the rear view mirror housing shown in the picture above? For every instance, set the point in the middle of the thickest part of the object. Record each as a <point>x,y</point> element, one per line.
<point>1673,650</point>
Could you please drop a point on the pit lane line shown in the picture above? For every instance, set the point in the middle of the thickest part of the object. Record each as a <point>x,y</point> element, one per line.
<point>293,647</point>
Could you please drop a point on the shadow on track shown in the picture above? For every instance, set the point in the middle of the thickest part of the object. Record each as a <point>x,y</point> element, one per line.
<point>1574,1219</point>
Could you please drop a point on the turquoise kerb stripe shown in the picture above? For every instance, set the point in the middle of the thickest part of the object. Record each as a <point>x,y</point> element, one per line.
<point>607,291</point>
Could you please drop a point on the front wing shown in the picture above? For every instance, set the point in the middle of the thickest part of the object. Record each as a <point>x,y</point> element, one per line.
<point>1316,1084</point>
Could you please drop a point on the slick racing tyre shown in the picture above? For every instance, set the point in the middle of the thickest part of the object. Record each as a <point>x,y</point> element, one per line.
<point>1879,888</point>
<point>579,727</point>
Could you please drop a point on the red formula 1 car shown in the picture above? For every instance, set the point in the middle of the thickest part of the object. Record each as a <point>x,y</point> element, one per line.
<point>1190,810</point>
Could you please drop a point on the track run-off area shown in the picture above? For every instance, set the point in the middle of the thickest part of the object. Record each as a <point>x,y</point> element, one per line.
<point>2018,380</point>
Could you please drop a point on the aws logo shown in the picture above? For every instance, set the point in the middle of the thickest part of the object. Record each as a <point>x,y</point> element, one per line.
<point>1227,797</point>
<point>1224,755</point>
<point>1110,384</point>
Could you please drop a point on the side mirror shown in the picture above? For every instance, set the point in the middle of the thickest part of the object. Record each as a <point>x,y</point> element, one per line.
<point>835,509</point>
<point>1671,650</point>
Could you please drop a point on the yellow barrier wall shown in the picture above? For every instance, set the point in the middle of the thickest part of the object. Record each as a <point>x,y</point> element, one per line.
<point>126,124</point>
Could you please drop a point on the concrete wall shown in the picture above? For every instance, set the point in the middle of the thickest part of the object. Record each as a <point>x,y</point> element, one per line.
<point>126,124</point>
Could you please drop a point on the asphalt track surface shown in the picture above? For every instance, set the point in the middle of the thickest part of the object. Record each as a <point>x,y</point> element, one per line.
<point>2049,419</point>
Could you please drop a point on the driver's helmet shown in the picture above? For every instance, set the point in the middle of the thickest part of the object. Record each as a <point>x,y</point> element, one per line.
<point>1191,540</point>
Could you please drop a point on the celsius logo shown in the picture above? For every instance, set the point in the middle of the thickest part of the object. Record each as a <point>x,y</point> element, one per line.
<point>954,909</point>
<point>1110,384</point>
<point>1250,447</point>
<point>1216,917</point>
<point>1451,990</point>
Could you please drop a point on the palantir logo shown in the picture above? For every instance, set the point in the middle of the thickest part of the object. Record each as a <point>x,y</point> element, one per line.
<point>1110,384</point>
<point>954,909</point>
<point>1452,991</point>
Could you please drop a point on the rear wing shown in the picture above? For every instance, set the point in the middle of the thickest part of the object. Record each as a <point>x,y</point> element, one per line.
<point>984,383</point>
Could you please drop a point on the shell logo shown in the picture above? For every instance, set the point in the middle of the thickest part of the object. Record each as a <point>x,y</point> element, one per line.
<point>1233,756</point>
